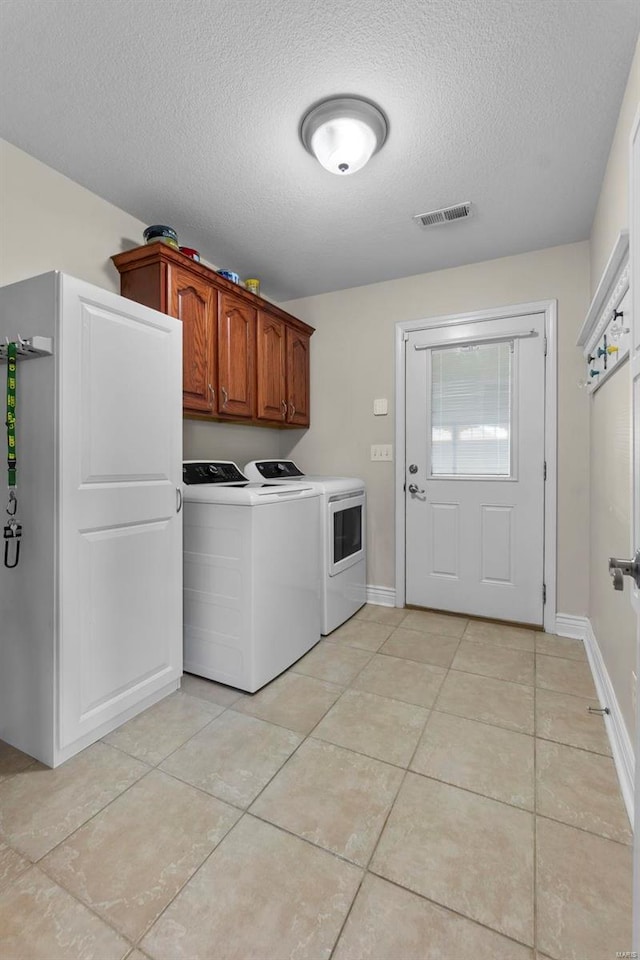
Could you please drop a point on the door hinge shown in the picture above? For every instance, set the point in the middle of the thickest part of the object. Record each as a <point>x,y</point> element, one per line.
<point>544,471</point>
<point>545,346</point>
<point>544,593</point>
<point>405,336</point>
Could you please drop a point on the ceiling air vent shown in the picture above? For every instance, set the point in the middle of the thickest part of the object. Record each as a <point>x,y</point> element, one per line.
<point>460,211</point>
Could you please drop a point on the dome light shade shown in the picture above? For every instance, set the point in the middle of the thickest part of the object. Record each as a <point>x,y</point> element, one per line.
<point>343,133</point>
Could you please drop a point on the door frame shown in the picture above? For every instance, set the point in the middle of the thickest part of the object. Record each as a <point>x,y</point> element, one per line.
<point>634,275</point>
<point>402,329</point>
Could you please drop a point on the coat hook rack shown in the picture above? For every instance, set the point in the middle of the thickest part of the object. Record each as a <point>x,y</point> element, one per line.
<point>29,348</point>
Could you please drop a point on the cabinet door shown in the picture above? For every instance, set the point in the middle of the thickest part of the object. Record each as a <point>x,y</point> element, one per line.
<point>120,549</point>
<point>236,357</point>
<point>297,377</point>
<point>272,368</point>
<point>193,301</point>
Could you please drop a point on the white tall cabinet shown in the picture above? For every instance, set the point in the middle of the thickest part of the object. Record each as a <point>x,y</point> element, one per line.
<point>91,618</point>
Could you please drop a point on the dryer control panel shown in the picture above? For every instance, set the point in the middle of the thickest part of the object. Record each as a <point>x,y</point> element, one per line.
<point>211,471</point>
<point>278,469</point>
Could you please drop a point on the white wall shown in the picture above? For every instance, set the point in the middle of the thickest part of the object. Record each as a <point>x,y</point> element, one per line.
<point>48,222</point>
<point>610,612</point>
<point>352,362</point>
<point>612,210</point>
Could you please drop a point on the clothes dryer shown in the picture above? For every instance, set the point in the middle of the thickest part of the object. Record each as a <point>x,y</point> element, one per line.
<point>342,535</point>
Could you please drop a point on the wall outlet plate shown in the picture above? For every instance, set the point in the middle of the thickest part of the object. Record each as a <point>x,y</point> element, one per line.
<point>382,451</point>
<point>380,407</point>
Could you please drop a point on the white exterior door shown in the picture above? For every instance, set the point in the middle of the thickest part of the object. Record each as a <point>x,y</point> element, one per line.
<point>120,539</point>
<point>474,507</point>
<point>634,282</point>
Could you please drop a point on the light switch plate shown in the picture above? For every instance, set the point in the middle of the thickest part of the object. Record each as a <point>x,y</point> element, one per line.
<point>380,407</point>
<point>382,451</point>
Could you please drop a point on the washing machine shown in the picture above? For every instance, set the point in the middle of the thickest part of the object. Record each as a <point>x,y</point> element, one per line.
<point>252,579</point>
<point>343,524</point>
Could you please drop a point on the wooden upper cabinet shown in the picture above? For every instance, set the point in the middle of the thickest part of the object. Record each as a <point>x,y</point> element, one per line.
<point>194,302</point>
<point>297,377</point>
<point>236,357</point>
<point>272,368</point>
<point>244,359</point>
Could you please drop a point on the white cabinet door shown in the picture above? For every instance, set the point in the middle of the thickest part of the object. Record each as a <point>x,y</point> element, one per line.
<point>120,533</point>
<point>475,468</point>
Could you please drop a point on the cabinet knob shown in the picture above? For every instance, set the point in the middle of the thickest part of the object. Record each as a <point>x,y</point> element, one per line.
<point>284,409</point>
<point>225,396</point>
<point>293,411</point>
<point>212,392</point>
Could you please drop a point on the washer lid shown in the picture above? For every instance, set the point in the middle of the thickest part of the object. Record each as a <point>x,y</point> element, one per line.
<point>246,494</point>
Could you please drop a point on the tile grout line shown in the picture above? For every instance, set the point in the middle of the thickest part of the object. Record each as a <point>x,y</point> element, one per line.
<point>450,909</point>
<point>384,825</point>
<point>520,733</point>
<point>140,938</point>
<point>38,862</point>
<point>86,906</point>
<point>150,769</point>
<point>304,737</point>
<point>245,812</point>
<point>243,809</point>
<point>386,819</point>
<point>408,770</point>
<point>369,871</point>
<point>444,906</point>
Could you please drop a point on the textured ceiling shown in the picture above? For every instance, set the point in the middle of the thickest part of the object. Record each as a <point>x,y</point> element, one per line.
<point>188,112</point>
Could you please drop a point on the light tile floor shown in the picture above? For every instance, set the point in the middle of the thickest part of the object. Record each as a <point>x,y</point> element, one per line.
<point>417,786</point>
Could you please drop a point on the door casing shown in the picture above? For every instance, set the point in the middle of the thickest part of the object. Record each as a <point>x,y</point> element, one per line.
<point>549,308</point>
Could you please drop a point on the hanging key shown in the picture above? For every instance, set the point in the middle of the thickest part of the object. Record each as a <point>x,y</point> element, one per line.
<point>12,536</point>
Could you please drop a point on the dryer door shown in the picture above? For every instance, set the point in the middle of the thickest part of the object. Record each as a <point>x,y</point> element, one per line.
<point>347,531</point>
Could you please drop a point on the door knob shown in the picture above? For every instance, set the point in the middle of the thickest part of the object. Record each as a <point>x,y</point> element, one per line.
<point>624,568</point>
<point>414,488</point>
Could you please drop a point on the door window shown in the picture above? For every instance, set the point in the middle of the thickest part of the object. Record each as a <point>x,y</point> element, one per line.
<point>471,410</point>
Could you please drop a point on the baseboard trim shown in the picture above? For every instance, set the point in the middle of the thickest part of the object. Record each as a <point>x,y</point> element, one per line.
<point>579,628</point>
<point>383,596</point>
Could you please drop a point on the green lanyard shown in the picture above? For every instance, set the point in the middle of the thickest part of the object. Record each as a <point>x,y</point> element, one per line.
<point>12,368</point>
<point>12,528</point>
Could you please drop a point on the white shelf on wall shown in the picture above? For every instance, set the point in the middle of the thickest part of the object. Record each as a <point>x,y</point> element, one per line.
<point>610,303</point>
<point>28,348</point>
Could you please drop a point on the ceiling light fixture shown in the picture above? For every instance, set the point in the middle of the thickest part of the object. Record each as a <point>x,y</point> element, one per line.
<point>343,133</point>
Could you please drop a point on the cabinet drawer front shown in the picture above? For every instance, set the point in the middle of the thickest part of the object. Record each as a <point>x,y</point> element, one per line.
<point>236,357</point>
<point>193,302</point>
<point>272,368</point>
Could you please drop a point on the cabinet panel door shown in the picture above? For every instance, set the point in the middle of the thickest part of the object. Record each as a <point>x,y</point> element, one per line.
<point>298,377</point>
<point>236,357</point>
<point>193,301</point>
<point>120,553</point>
<point>272,368</point>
